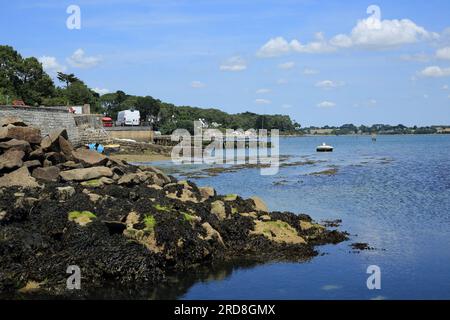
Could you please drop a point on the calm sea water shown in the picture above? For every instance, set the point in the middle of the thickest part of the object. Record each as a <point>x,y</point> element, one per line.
<point>393,194</point>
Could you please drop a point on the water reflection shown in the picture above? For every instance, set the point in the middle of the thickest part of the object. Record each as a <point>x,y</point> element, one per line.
<point>176,286</point>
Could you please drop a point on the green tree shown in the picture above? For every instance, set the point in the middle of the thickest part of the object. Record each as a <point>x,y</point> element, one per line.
<point>78,94</point>
<point>68,79</point>
<point>23,79</point>
<point>35,85</point>
<point>10,61</point>
<point>186,124</point>
<point>120,97</point>
<point>147,107</point>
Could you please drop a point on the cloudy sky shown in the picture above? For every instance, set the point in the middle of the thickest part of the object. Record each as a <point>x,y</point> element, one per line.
<point>322,62</point>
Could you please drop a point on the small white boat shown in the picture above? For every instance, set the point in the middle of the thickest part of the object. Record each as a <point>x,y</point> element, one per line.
<point>325,148</point>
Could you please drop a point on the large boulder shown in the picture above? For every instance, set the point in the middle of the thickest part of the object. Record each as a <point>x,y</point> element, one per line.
<point>207,192</point>
<point>151,169</point>
<point>158,177</point>
<point>212,233</point>
<point>259,204</point>
<point>15,121</point>
<point>15,144</point>
<point>89,158</point>
<point>186,195</point>
<point>55,157</point>
<point>29,134</point>
<point>129,179</point>
<point>66,147</point>
<point>31,164</point>
<point>3,133</point>
<point>86,174</point>
<point>37,154</point>
<point>218,209</point>
<point>71,165</point>
<point>51,142</point>
<point>11,159</point>
<point>19,178</point>
<point>277,231</point>
<point>47,173</point>
<point>65,193</point>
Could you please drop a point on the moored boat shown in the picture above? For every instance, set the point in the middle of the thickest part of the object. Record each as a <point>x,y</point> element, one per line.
<point>325,148</point>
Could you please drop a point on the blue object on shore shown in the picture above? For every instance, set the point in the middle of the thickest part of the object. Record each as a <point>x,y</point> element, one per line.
<point>100,148</point>
<point>96,147</point>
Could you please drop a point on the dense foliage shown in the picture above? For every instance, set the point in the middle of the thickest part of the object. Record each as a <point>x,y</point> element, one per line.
<point>167,117</point>
<point>24,79</point>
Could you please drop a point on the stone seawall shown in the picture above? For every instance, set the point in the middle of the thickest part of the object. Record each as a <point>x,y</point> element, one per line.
<point>137,135</point>
<point>46,119</point>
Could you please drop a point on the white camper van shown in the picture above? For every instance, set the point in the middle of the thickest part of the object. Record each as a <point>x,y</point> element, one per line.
<point>128,118</point>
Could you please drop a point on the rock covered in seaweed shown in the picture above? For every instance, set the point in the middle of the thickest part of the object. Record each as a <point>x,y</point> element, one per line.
<point>126,224</point>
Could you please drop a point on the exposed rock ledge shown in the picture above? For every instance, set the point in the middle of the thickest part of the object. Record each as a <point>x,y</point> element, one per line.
<point>123,224</point>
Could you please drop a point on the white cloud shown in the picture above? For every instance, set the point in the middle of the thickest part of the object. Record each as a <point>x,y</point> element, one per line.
<point>197,84</point>
<point>320,45</point>
<point>425,96</point>
<point>274,47</point>
<point>329,84</point>
<point>371,33</point>
<point>234,64</point>
<point>341,41</point>
<point>286,106</point>
<point>443,53</point>
<point>80,60</point>
<point>263,91</point>
<point>435,72</point>
<point>326,104</point>
<point>279,46</point>
<point>101,91</point>
<point>263,101</point>
<point>309,72</point>
<point>287,65</point>
<point>445,87</point>
<point>51,65</point>
<point>282,81</point>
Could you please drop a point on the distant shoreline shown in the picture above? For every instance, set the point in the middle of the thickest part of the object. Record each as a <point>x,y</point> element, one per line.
<point>367,135</point>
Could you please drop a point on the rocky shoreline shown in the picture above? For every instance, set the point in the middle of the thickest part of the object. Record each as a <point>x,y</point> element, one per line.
<point>121,224</point>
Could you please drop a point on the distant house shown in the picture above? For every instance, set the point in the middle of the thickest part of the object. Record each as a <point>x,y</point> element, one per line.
<point>76,110</point>
<point>321,131</point>
<point>443,130</point>
<point>203,123</point>
<point>84,109</point>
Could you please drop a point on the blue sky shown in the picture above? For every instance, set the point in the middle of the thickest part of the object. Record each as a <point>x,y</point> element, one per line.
<point>321,62</point>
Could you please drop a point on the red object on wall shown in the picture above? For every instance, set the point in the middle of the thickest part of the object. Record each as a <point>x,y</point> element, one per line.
<point>17,103</point>
<point>107,122</point>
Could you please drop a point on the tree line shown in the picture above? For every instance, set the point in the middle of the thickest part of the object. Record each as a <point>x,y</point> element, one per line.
<point>167,117</point>
<point>25,79</point>
<point>374,129</point>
